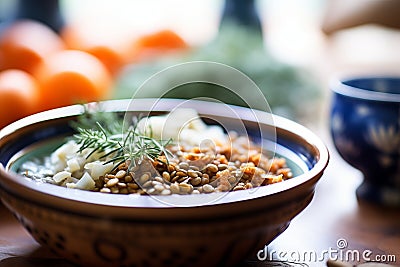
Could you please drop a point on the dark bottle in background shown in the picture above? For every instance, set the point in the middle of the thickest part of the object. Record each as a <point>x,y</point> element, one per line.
<point>45,11</point>
<point>242,13</point>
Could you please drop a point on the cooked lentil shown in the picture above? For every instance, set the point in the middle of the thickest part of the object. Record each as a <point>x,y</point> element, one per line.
<point>182,175</point>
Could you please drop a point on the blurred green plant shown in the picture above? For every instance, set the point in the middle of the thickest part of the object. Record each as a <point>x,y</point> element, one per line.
<point>291,92</point>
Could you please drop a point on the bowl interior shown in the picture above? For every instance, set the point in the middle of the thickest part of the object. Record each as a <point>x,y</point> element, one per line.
<point>43,148</point>
<point>389,85</point>
<point>46,147</point>
<point>374,88</point>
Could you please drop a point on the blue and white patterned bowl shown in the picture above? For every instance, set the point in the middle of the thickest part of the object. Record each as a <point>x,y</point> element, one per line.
<point>365,126</point>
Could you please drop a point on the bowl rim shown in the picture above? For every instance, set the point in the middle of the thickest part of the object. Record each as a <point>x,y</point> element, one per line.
<point>337,85</point>
<point>54,195</point>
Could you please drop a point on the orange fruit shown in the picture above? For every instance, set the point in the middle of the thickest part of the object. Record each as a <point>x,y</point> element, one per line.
<point>18,95</point>
<point>70,77</point>
<point>107,47</point>
<point>25,43</point>
<point>155,44</point>
<point>162,40</point>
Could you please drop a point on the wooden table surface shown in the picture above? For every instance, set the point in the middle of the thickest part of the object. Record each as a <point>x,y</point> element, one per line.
<point>335,222</point>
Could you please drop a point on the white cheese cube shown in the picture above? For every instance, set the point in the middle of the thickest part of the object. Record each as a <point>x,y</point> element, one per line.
<point>97,168</point>
<point>86,182</point>
<point>61,176</point>
<point>73,165</point>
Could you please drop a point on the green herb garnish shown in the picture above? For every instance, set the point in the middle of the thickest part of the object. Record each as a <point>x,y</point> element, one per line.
<point>106,132</point>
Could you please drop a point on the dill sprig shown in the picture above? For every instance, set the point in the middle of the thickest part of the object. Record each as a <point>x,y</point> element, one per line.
<point>105,133</point>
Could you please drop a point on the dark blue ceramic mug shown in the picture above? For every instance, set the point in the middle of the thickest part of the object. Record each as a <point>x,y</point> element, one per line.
<point>365,127</point>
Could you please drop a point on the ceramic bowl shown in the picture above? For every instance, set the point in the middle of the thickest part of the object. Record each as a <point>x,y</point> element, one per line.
<point>365,126</point>
<point>218,229</point>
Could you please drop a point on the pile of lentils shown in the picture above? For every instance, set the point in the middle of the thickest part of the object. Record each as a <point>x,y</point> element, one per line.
<point>218,168</point>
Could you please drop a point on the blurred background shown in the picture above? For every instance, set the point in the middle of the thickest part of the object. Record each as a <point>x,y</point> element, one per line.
<point>289,48</point>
